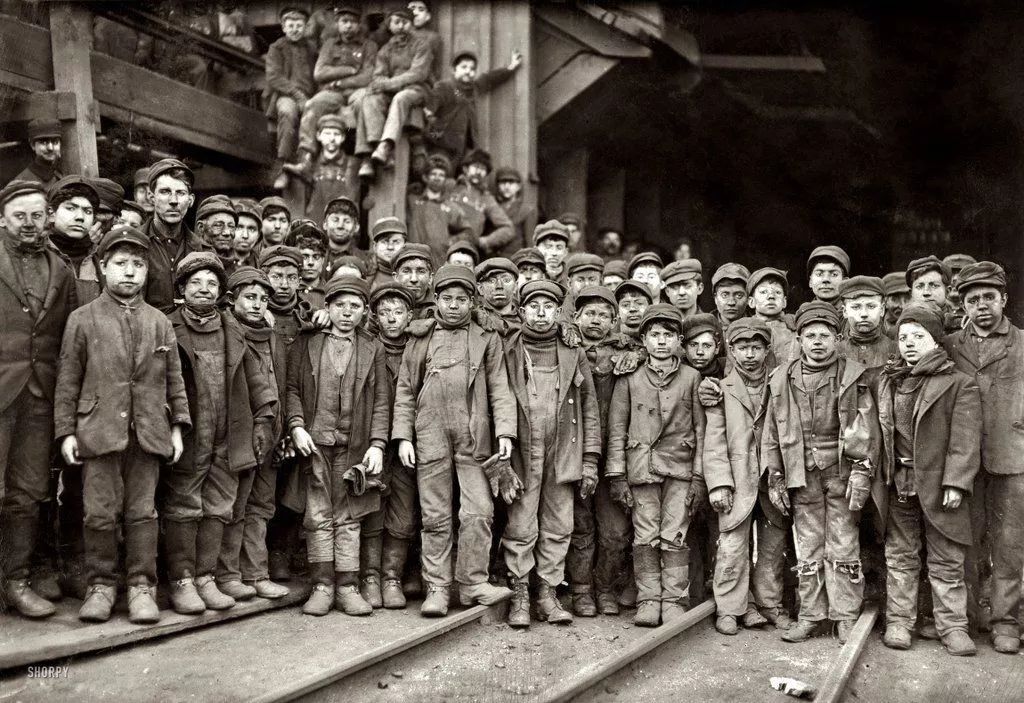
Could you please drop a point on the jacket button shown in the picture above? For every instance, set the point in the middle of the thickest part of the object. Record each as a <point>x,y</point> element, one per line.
<point>124,414</point>
<point>574,421</point>
<point>573,439</point>
<point>570,403</point>
<point>24,309</point>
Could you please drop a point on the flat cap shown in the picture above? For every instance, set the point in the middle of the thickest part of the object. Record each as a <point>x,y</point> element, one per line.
<point>387,225</point>
<point>496,264</point>
<point>551,228</point>
<point>134,207</point>
<point>477,156</point>
<point>982,273</point>
<point>583,262</point>
<point>696,325</point>
<point>631,286</point>
<point>413,251</point>
<point>748,328</point>
<point>662,312</point>
<point>122,234</point>
<point>17,188</point>
<point>817,311</point>
<point>595,294</point>
<point>247,206</point>
<point>331,120</point>
<point>43,129</point>
<point>388,289</point>
<point>280,255</point>
<point>440,161</point>
<point>111,193</point>
<point>73,182</point>
<point>215,204</point>
<point>571,218</point>
<point>758,276</point>
<point>730,272</point>
<point>955,262</point>
<point>542,286</point>
<point>164,165</point>
<point>454,275</point>
<point>272,203</point>
<point>861,285</point>
<point>304,233</point>
<point>464,246</point>
<point>400,11</point>
<point>507,173</point>
<point>615,268</point>
<point>463,55</point>
<point>927,315</point>
<point>293,10</point>
<point>832,253</point>
<point>350,261</point>
<point>141,177</point>
<point>346,205</point>
<point>346,284</point>
<point>681,270</point>
<point>247,276</point>
<point>529,256</point>
<point>200,261</point>
<point>895,283</point>
<point>645,258</point>
<point>925,264</point>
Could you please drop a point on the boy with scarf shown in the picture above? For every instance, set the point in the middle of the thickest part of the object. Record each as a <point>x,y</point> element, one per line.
<point>121,351</point>
<point>388,236</point>
<point>633,298</point>
<point>72,203</point>
<point>821,442</point>
<point>414,269</point>
<point>497,289</point>
<point>767,289</point>
<point>560,446</point>
<point>551,239</point>
<point>338,416</point>
<point>931,422</point>
<point>232,404</point>
<point>655,455</point>
<point>452,398</point>
<point>287,311</point>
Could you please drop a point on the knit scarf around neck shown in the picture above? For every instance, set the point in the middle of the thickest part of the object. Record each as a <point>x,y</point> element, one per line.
<point>463,321</point>
<point>867,338</point>
<point>201,318</point>
<point>259,332</point>
<point>283,308</point>
<point>21,247</point>
<point>810,365</point>
<point>74,249</point>
<point>752,379</point>
<point>932,363</point>
<point>393,347</point>
<point>532,336</point>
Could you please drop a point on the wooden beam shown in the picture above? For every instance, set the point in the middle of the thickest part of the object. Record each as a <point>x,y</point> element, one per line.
<point>590,32</point>
<point>70,40</point>
<point>26,53</point>
<point>35,105</point>
<point>572,79</point>
<point>839,674</point>
<point>730,62</point>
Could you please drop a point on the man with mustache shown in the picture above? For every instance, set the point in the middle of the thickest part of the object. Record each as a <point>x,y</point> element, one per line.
<point>491,227</point>
<point>45,140</point>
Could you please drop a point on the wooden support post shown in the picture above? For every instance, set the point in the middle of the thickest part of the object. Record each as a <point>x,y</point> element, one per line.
<point>565,182</point>
<point>387,194</point>
<point>606,200</point>
<point>70,40</point>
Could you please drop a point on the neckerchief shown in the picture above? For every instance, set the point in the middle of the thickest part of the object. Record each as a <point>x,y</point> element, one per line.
<point>810,366</point>
<point>463,321</point>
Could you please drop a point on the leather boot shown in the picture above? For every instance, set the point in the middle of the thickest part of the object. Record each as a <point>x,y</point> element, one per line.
<point>647,572</point>
<point>800,631</point>
<point>843,630</point>
<point>959,643</point>
<point>583,601</point>
<point>435,605</point>
<point>1002,643</point>
<point>321,597</point>
<point>752,618</point>
<point>393,556</point>
<point>180,549</point>
<point>726,624</point>
<point>208,542</point>
<point>265,588</point>
<point>303,168</point>
<point>236,589</point>
<point>185,598</point>
<point>142,604</point>
<point>347,598</point>
<point>483,593</point>
<point>896,637</point>
<point>384,154</point>
<point>675,583</point>
<point>777,617</point>
<point>549,608</point>
<point>211,595</point>
<point>44,582</point>
<point>370,557</point>
<point>607,604</point>
<point>18,595</point>
<point>99,601</point>
<point>141,540</point>
<point>519,608</point>
<point>278,566</point>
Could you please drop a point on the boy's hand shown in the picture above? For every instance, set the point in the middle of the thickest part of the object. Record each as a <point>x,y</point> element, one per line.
<point>321,319</point>
<point>621,494</point>
<point>709,392</point>
<point>304,444</point>
<point>951,498</point>
<point>587,486</point>
<point>374,460</point>
<point>517,60</point>
<point>778,493</point>
<point>262,440</point>
<point>858,488</point>
<point>504,448</point>
<point>697,494</point>
<point>69,450</point>
<point>407,453</point>
<point>177,445</point>
<point>721,499</point>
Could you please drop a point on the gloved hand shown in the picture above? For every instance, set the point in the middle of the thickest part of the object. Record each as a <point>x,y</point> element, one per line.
<point>721,499</point>
<point>857,439</point>
<point>858,488</point>
<point>697,494</point>
<point>777,492</point>
<point>262,440</point>
<point>628,362</point>
<point>503,479</point>
<point>588,484</point>
<point>709,392</point>
<point>569,334</point>
<point>621,493</point>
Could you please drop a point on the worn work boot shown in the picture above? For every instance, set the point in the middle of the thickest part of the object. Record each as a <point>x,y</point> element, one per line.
<point>303,168</point>
<point>648,613</point>
<point>370,591</point>
<point>394,552</point>
<point>435,605</point>
<point>726,624</point>
<point>278,563</point>
<point>959,643</point>
<point>675,583</point>
<point>371,557</point>
<point>519,608</point>
<point>236,589</point>
<point>896,637</point>
<point>927,631</point>
<point>1004,644</point>
<point>753,619</point>
<point>142,608</point>
<point>99,601</point>
<point>383,154</point>
<point>647,574</point>
<point>281,182</point>
<point>44,582</point>
<point>185,598</point>
<point>348,600</point>
<point>212,596</point>
<point>265,588</point>
<point>607,603</point>
<point>843,630</point>
<point>628,595</point>
<point>549,608</point>
<point>800,631</point>
<point>777,617</point>
<point>320,600</point>
<point>391,594</point>
<point>483,593</point>
<point>18,595</point>
<point>366,170</point>
<point>583,602</point>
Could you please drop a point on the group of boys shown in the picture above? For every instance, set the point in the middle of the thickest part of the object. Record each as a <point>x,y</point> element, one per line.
<point>590,422</point>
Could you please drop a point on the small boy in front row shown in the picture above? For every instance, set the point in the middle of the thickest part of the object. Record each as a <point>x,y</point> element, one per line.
<point>655,451</point>
<point>120,408</point>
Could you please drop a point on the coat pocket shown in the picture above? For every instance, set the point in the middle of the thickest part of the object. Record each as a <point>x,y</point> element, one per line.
<point>87,405</point>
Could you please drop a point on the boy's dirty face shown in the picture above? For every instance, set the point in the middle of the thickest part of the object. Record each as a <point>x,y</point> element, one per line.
<point>580,280</point>
<point>219,232</point>
<point>340,227</point>
<point>453,304</point>
<point>750,354</point>
<point>202,288</point>
<point>825,279</point>
<point>387,246</point>
<point>632,307</point>
<point>434,179</point>
<point>730,300</point>
<point>649,275</point>
<point>275,228</point>
<point>701,350</point>
<point>464,71</point>
<point>914,342</point>
<point>610,280</point>
<point>575,234</point>
<point>142,196</point>
<point>476,174</point>
<point>293,28</point>
<point>247,231</point>
<point>47,150</point>
<point>497,289</point>
<point>346,312</point>
<point>461,258</point>
<point>124,271</point>
<point>894,306</point>
<point>312,264</point>
<point>24,219</point>
<point>509,190</point>
<point>684,294</point>
<point>595,321</point>
<point>817,341</point>
<point>393,315</point>
<point>929,288</point>
<point>171,197</point>
<point>251,303</point>
<point>540,313</point>
<point>864,313</point>
<point>74,217</point>
<point>330,139</point>
<point>768,300</point>
<point>553,249</point>
<point>398,25</point>
<point>285,279</point>
<point>984,306</point>
<point>420,13</point>
<point>348,26</point>
<point>660,340</point>
<point>529,272</point>
<point>415,275</point>
<point>130,218</point>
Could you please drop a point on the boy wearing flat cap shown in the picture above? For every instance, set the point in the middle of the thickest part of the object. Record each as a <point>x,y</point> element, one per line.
<point>530,263</point>
<point>432,219</point>
<point>929,280</point>
<point>655,453</point>
<point>633,298</point>
<point>232,404</point>
<point>491,228</point>
<point>341,224</point>
<point>496,285</point>
<point>72,203</point>
<point>863,306</point>
<point>453,396</point>
<point>738,489</point>
<point>646,267</point>
<point>767,289</point>
<point>121,410</point>
<point>820,448</point>
<point>44,138</point>
<point>247,232</point>
<point>216,220</point>
<point>931,422</point>
<point>290,85</point>
<point>289,312</point>
<point>388,236</point>
<point>560,447</point>
<point>614,273</point>
<point>509,183</point>
<point>274,220</point>
<point>333,174</point>
<point>897,295</point>
<point>729,286</point>
<point>311,242</point>
<point>827,268</point>
<point>552,241</point>
<point>462,253</point>
<point>414,269</point>
<point>682,284</point>
<point>991,350</point>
